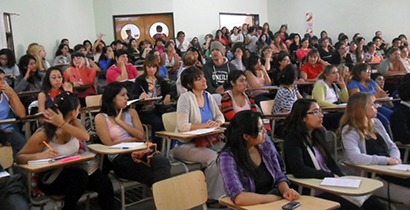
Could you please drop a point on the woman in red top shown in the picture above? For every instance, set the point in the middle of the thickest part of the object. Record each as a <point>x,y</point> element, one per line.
<point>120,68</point>
<point>220,37</point>
<point>312,68</point>
<point>79,74</point>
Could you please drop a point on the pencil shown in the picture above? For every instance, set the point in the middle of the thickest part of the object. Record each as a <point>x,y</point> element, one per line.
<point>47,145</point>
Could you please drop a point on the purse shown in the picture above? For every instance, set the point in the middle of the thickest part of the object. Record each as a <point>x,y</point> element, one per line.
<point>205,141</point>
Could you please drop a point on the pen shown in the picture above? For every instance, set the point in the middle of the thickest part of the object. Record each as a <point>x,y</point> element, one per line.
<point>143,89</point>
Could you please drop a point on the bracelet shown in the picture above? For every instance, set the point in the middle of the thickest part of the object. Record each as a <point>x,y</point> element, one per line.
<point>62,125</point>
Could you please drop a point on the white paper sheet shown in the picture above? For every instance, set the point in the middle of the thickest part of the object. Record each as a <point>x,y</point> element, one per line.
<point>127,145</point>
<point>401,167</point>
<point>200,131</point>
<point>4,174</point>
<point>338,182</point>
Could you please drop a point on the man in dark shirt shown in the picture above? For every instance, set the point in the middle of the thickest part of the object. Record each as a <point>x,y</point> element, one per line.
<point>217,70</point>
<point>400,118</point>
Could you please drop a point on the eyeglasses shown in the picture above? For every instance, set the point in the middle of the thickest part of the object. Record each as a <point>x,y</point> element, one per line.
<point>368,71</point>
<point>316,112</point>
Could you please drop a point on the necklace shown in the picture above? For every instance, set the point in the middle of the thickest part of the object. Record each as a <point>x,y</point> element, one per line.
<point>202,108</point>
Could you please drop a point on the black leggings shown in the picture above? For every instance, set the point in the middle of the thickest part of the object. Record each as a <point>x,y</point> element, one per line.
<point>73,182</point>
<point>125,167</point>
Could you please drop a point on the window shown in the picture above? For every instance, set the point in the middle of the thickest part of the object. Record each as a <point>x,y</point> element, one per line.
<point>9,32</point>
<point>231,20</point>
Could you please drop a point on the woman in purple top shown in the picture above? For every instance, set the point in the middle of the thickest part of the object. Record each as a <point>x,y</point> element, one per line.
<point>248,164</point>
<point>307,154</point>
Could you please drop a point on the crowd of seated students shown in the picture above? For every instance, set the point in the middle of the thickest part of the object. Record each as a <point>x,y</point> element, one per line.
<point>264,57</point>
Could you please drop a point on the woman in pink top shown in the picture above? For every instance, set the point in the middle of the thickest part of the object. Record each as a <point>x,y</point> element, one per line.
<point>277,45</point>
<point>115,124</point>
<point>120,68</point>
<point>79,74</point>
<point>304,50</point>
<point>258,77</point>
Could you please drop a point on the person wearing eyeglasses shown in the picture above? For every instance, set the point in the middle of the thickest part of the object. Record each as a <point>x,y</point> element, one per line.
<point>250,170</point>
<point>361,82</point>
<point>366,142</point>
<point>307,154</point>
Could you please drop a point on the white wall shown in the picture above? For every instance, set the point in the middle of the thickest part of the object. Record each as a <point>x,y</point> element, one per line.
<point>194,17</point>
<point>47,22</point>
<point>348,16</point>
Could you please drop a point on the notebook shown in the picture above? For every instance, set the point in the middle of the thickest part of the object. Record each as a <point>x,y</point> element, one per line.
<point>4,174</point>
<point>401,167</point>
<point>200,131</point>
<point>128,145</point>
<point>339,182</point>
<point>46,160</point>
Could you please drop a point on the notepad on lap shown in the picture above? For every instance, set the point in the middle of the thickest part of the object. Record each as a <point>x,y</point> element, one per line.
<point>47,160</point>
<point>401,167</point>
<point>338,182</point>
<point>127,145</point>
<point>133,101</point>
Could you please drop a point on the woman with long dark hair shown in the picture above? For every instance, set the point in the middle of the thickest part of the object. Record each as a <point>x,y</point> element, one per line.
<point>117,123</point>
<point>65,134</point>
<point>248,164</point>
<point>257,78</point>
<point>307,154</point>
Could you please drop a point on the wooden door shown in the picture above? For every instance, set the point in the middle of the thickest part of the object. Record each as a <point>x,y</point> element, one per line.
<point>144,26</point>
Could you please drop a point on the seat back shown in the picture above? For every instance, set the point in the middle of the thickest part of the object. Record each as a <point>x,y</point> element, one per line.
<point>6,156</point>
<point>181,192</point>
<point>266,106</point>
<point>170,121</point>
<point>93,100</point>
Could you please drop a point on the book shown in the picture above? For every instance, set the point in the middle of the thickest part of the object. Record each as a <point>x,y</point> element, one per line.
<point>128,145</point>
<point>133,101</point>
<point>46,160</point>
<point>339,182</point>
<point>401,167</point>
<point>200,131</point>
<point>4,174</point>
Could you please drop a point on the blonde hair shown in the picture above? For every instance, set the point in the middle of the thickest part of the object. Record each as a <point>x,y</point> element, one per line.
<point>35,51</point>
<point>355,115</point>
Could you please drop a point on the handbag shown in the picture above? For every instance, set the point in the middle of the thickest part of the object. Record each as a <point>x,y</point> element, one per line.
<point>205,141</point>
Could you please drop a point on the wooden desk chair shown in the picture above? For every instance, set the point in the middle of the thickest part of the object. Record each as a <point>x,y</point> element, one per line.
<point>266,107</point>
<point>6,158</point>
<point>170,124</point>
<point>93,100</point>
<point>406,148</point>
<point>181,192</point>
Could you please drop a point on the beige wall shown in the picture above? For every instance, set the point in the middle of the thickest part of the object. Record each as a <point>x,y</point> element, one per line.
<point>348,16</point>
<point>48,21</point>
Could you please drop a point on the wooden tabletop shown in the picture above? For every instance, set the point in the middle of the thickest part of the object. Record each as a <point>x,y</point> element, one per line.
<point>28,93</point>
<point>47,166</point>
<point>276,116</point>
<point>366,186</point>
<point>380,169</point>
<point>306,203</point>
<point>183,136</point>
<point>103,149</point>
<point>81,87</point>
<point>270,87</point>
<point>334,109</point>
<point>9,121</point>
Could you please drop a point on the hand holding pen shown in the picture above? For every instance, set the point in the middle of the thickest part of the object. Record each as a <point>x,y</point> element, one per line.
<point>144,94</point>
<point>49,153</point>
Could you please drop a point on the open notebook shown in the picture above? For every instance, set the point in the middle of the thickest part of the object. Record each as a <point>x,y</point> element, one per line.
<point>47,160</point>
<point>339,182</point>
<point>128,145</point>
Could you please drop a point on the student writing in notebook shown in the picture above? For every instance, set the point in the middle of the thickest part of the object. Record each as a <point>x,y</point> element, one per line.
<point>307,155</point>
<point>63,132</point>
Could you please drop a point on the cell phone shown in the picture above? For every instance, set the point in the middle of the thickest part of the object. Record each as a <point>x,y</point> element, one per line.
<point>291,205</point>
<point>153,149</point>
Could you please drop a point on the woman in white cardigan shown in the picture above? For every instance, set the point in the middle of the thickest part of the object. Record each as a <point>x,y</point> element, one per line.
<point>197,109</point>
<point>366,142</point>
